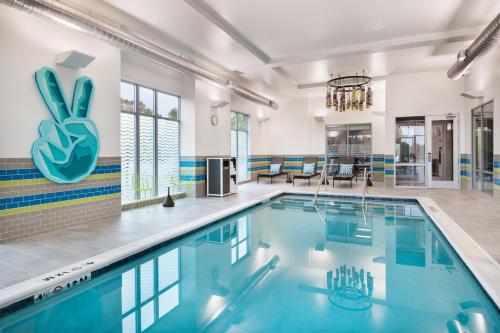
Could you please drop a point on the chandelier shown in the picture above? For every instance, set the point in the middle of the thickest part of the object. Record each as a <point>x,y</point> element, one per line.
<point>349,92</point>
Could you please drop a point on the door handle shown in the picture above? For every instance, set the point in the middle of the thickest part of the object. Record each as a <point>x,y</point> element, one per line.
<point>429,157</point>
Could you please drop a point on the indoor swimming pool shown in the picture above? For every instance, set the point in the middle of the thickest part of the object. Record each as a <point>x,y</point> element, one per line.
<point>283,266</point>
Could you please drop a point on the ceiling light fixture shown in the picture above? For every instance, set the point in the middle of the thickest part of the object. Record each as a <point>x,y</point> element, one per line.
<point>352,92</point>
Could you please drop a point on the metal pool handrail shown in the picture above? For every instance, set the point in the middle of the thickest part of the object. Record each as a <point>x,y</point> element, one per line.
<point>322,176</point>
<point>365,187</point>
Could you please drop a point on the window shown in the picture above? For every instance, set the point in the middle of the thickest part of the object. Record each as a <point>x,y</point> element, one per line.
<point>239,143</point>
<point>150,291</point>
<point>149,147</point>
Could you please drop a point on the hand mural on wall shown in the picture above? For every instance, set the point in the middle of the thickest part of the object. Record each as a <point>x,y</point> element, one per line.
<point>68,147</point>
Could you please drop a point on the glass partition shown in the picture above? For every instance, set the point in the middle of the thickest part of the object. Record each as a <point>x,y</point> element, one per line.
<point>350,140</point>
<point>409,157</point>
<point>482,148</point>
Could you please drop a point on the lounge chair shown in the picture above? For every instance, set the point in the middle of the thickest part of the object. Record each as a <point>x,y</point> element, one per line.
<point>348,163</point>
<point>307,174</point>
<point>272,173</point>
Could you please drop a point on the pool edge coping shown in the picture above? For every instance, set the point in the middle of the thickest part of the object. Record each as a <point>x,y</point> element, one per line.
<point>21,292</point>
<point>480,263</point>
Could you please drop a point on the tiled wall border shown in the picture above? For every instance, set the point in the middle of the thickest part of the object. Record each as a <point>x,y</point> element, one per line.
<point>496,177</point>
<point>465,172</point>
<point>389,170</point>
<point>193,175</point>
<point>30,204</point>
<point>378,167</point>
<point>258,164</point>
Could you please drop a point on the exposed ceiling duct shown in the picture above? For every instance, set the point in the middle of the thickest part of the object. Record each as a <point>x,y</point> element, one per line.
<point>479,47</point>
<point>88,24</point>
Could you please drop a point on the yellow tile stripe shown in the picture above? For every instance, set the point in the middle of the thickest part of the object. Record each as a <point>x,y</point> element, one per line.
<point>263,163</point>
<point>36,208</point>
<point>187,182</point>
<point>193,168</point>
<point>41,181</point>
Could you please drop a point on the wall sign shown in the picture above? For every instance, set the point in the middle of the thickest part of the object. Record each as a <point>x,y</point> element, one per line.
<point>68,146</point>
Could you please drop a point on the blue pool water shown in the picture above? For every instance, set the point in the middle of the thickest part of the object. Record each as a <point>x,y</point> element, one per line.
<point>283,266</point>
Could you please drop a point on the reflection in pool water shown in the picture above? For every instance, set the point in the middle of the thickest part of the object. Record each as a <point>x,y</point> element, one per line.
<point>284,266</point>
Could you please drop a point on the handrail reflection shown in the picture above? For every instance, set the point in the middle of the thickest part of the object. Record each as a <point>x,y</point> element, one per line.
<point>233,297</point>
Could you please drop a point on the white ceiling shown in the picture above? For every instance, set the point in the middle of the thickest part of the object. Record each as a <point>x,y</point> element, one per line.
<point>279,44</point>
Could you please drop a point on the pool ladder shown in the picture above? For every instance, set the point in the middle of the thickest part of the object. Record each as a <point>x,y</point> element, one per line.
<point>323,177</point>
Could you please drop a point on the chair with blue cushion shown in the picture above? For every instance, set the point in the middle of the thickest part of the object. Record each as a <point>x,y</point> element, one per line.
<point>275,169</point>
<point>308,171</point>
<point>345,170</point>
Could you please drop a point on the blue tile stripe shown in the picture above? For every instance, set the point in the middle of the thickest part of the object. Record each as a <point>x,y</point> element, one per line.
<point>465,161</point>
<point>496,164</point>
<point>257,168</point>
<point>193,163</point>
<point>378,159</point>
<point>187,178</point>
<point>20,174</point>
<point>378,169</point>
<point>40,199</point>
<point>464,173</point>
<point>292,167</point>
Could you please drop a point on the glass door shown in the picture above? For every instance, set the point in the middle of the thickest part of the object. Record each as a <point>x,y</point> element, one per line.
<point>410,152</point>
<point>482,148</point>
<point>442,151</point>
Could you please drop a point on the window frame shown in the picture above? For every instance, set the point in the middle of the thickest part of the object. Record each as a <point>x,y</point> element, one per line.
<point>156,116</point>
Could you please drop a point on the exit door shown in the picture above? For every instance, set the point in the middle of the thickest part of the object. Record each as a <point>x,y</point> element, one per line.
<point>442,151</point>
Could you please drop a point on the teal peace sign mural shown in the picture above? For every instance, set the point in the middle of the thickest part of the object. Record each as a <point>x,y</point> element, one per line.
<point>68,146</point>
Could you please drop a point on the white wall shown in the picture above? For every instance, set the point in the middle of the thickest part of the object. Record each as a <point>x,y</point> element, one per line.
<point>212,140</point>
<point>289,129</point>
<point>138,70</point>
<point>421,94</point>
<point>294,130</point>
<point>484,80</point>
<point>28,43</point>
